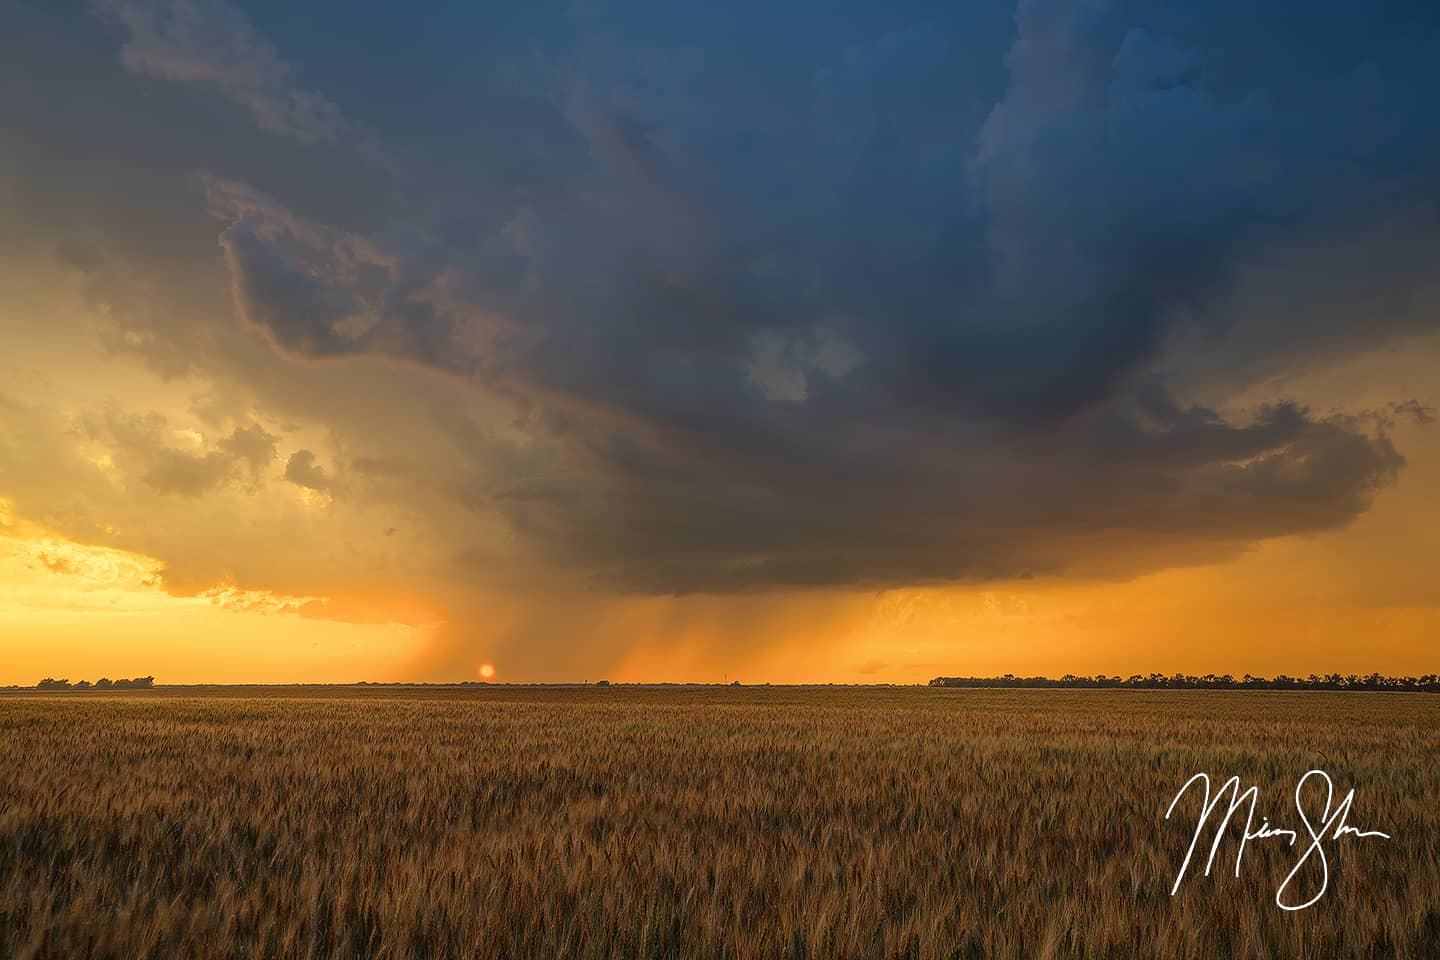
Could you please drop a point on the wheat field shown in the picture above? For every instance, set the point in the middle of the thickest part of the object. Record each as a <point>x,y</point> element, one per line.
<point>697,822</point>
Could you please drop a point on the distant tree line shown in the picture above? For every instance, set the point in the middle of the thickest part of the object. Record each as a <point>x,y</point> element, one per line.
<point>104,683</point>
<point>1429,683</point>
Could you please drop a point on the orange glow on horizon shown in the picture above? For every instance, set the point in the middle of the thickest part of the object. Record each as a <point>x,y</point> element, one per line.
<point>82,611</point>
<point>1356,599</point>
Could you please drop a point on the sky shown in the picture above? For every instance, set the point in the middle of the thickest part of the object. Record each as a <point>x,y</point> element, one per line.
<point>808,342</point>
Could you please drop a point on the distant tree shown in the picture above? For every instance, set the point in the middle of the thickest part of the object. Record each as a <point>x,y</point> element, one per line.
<point>104,683</point>
<point>1429,683</point>
<point>602,683</point>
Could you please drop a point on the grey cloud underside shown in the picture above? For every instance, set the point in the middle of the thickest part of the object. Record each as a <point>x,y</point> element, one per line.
<point>142,446</point>
<point>923,516</point>
<point>824,300</point>
<point>211,44</point>
<point>303,471</point>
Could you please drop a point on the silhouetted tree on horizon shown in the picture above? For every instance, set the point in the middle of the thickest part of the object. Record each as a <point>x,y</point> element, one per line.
<point>104,683</point>
<point>1429,683</point>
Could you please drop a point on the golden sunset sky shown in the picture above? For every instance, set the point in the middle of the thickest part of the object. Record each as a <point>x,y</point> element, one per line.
<point>666,349</point>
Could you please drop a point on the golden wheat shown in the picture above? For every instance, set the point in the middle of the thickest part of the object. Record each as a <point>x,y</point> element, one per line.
<point>695,822</point>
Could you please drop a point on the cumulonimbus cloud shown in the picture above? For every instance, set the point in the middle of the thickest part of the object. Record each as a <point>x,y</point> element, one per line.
<point>869,314</point>
<point>903,302</point>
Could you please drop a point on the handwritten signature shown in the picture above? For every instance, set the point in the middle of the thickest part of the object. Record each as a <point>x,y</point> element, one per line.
<point>1330,826</point>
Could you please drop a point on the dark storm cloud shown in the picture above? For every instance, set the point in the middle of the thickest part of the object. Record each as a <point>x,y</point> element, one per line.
<point>252,446</point>
<point>1418,412</point>
<point>212,45</point>
<point>299,311</point>
<point>208,42</point>
<point>855,296</point>
<point>303,471</point>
